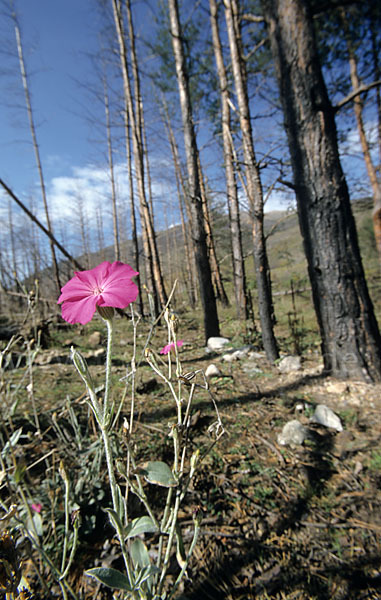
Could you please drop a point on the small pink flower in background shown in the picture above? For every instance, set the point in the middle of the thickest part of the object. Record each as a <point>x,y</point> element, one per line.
<point>36,507</point>
<point>105,285</point>
<point>170,346</point>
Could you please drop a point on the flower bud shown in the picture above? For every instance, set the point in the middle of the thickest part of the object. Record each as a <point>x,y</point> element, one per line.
<point>82,368</point>
<point>106,312</point>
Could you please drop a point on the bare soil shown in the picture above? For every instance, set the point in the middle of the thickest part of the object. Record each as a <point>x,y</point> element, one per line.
<point>279,522</point>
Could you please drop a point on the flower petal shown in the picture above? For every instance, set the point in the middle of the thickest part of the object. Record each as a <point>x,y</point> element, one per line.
<point>75,288</point>
<point>95,277</point>
<point>105,285</point>
<point>79,310</point>
<point>117,272</point>
<point>167,348</point>
<point>119,294</point>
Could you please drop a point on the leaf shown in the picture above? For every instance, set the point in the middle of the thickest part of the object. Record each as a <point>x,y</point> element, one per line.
<point>145,575</point>
<point>139,526</point>
<point>159,473</point>
<point>110,577</point>
<point>139,553</point>
<point>11,443</point>
<point>114,518</point>
<point>180,550</point>
<point>121,503</point>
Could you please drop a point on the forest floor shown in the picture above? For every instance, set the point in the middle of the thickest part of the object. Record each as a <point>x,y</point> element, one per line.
<point>279,522</point>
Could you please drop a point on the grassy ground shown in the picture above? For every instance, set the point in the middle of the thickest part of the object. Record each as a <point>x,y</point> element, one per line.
<point>279,522</point>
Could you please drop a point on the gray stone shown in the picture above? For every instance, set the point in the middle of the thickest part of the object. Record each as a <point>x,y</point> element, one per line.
<point>238,354</point>
<point>212,371</point>
<point>216,344</point>
<point>289,364</point>
<point>251,368</point>
<point>293,434</point>
<point>326,417</point>
<point>95,339</point>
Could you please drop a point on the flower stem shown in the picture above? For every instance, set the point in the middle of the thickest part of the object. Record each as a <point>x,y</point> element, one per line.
<point>110,338</point>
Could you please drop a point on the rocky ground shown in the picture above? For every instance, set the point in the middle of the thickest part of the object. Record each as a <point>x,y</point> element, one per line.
<point>299,520</point>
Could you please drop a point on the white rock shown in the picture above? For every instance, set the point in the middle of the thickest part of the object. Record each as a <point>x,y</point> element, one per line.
<point>215,344</point>
<point>230,357</point>
<point>290,363</point>
<point>325,416</point>
<point>293,433</point>
<point>251,368</point>
<point>212,371</point>
<point>256,355</point>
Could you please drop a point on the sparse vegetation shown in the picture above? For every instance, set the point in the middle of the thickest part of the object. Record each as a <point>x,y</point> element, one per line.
<point>278,522</point>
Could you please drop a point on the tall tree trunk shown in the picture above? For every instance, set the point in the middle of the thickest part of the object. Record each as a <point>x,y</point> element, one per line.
<point>135,119</point>
<point>358,106</point>
<point>100,233</point>
<point>253,184</point>
<point>239,275</point>
<point>147,208</point>
<point>351,342</point>
<point>208,300</point>
<point>181,191</point>
<point>112,173</point>
<point>215,267</point>
<point>36,149</point>
<point>134,232</point>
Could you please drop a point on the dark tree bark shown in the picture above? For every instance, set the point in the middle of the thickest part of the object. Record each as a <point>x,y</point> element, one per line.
<point>208,300</point>
<point>215,267</point>
<point>351,342</point>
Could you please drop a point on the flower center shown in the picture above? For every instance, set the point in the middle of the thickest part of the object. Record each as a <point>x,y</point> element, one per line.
<point>97,291</point>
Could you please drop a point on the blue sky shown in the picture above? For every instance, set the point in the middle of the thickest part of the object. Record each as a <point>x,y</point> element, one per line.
<point>58,37</point>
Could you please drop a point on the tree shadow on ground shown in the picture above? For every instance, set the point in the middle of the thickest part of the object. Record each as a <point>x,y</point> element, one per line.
<point>257,396</point>
<point>239,574</point>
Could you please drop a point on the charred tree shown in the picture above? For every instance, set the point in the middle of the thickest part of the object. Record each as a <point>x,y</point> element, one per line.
<point>351,342</point>
<point>358,107</point>
<point>239,275</point>
<point>253,184</point>
<point>134,111</point>
<point>208,300</point>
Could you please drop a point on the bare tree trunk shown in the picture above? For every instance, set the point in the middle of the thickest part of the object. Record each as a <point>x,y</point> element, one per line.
<point>134,233</point>
<point>100,234</point>
<point>81,216</point>
<point>35,147</point>
<point>216,272</point>
<point>208,300</point>
<point>135,123</point>
<point>358,106</point>
<point>139,123</point>
<point>40,225</point>
<point>239,276</point>
<point>12,242</point>
<point>253,185</point>
<point>112,174</point>
<point>351,341</point>
<point>181,190</point>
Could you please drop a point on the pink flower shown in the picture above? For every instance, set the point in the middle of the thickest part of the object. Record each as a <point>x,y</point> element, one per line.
<point>105,285</point>
<point>169,347</point>
<point>36,507</point>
